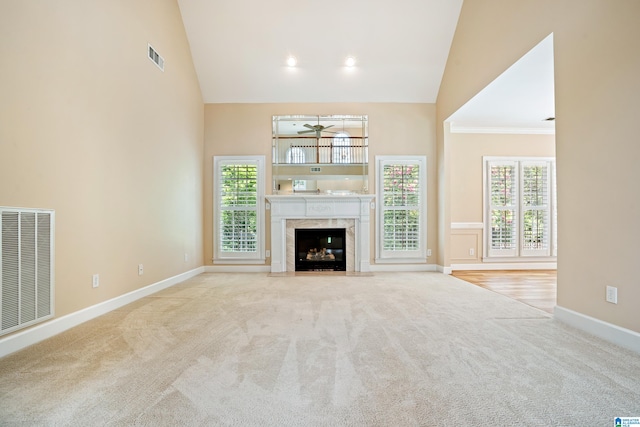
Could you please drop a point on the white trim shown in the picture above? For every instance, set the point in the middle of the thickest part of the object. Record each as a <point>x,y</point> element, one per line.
<point>400,261</point>
<point>237,269</point>
<point>444,270</point>
<point>238,261</point>
<point>609,332</point>
<point>521,260</point>
<point>31,336</point>
<point>403,267</point>
<point>502,130</point>
<point>507,266</point>
<point>467,226</point>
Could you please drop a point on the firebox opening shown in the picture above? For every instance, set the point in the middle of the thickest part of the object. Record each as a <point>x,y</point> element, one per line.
<point>320,249</point>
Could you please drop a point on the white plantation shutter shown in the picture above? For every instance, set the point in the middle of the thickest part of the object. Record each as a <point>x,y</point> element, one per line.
<point>401,213</point>
<point>535,218</point>
<point>520,202</point>
<point>503,207</point>
<point>239,183</point>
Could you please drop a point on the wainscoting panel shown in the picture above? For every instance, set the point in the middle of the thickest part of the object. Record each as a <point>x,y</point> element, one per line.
<point>466,243</point>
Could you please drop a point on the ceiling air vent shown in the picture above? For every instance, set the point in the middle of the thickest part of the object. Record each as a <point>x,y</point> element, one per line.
<point>155,57</point>
<point>315,169</point>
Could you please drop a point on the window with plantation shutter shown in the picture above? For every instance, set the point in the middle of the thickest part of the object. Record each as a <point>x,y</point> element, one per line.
<point>536,208</point>
<point>401,219</point>
<point>239,207</point>
<point>503,207</point>
<point>520,207</point>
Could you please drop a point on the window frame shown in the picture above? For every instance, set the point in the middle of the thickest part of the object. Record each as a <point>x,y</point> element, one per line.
<point>230,257</point>
<point>418,255</point>
<point>519,253</point>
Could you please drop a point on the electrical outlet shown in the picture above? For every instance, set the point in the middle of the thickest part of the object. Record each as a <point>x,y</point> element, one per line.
<point>268,253</point>
<point>612,295</point>
<point>96,280</point>
<point>428,252</point>
<point>472,252</point>
<point>186,257</point>
<point>140,269</point>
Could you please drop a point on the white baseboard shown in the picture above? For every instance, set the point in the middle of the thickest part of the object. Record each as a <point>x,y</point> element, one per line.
<point>402,267</point>
<point>22,339</point>
<point>445,270</point>
<point>609,332</point>
<point>506,266</point>
<point>237,269</point>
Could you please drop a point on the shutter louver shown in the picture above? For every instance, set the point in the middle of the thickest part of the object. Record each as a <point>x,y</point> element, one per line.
<point>535,209</point>
<point>26,280</point>
<point>401,216</point>
<point>503,207</point>
<point>239,205</point>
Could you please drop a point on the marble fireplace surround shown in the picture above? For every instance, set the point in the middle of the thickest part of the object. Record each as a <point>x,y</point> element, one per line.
<point>289,212</point>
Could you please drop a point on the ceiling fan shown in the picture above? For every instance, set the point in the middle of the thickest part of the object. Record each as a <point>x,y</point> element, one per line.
<point>318,129</point>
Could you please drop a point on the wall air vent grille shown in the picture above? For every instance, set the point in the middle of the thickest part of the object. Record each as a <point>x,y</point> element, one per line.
<point>315,169</point>
<point>26,267</point>
<point>155,57</point>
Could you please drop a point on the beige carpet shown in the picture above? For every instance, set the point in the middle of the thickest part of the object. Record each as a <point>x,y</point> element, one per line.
<point>389,349</point>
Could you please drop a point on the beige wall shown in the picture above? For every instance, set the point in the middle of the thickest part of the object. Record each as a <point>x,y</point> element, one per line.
<point>90,127</point>
<point>245,129</point>
<point>597,88</point>
<point>467,151</point>
<point>467,181</point>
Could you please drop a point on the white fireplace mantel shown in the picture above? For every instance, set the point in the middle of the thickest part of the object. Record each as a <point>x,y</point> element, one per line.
<point>320,206</point>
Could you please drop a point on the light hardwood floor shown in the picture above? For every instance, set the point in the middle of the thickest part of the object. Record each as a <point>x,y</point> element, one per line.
<point>536,288</point>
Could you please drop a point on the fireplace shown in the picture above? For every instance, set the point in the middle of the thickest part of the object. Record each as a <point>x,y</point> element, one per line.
<point>320,249</point>
<point>350,212</point>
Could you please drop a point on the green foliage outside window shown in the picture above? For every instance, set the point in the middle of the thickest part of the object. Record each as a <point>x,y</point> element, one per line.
<point>401,201</point>
<point>533,202</point>
<point>239,202</point>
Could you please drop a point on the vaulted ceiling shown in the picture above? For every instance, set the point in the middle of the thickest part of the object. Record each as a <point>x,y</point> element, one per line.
<point>240,49</point>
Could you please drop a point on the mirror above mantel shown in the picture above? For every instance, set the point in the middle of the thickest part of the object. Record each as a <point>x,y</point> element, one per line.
<point>320,154</point>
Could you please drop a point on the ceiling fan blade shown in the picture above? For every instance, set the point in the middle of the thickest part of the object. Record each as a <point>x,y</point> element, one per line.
<point>307,125</point>
<point>305,131</point>
<point>327,127</point>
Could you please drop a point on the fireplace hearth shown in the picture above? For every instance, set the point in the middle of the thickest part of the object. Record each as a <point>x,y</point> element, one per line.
<point>320,249</point>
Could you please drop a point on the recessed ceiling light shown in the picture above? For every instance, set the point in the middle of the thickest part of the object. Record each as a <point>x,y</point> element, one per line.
<point>292,61</point>
<point>350,61</point>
